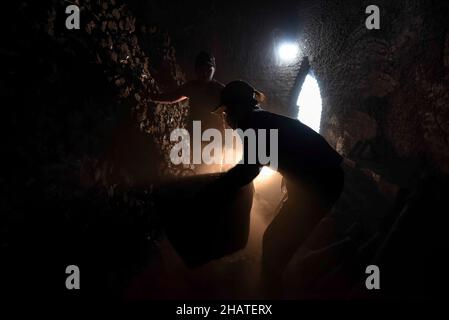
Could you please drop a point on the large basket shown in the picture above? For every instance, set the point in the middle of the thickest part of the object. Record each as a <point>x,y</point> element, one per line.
<point>203,229</point>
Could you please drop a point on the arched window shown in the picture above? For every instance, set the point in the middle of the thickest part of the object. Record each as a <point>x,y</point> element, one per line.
<point>309,103</point>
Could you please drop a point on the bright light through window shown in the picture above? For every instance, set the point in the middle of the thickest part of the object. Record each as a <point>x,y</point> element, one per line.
<point>309,103</point>
<point>288,51</point>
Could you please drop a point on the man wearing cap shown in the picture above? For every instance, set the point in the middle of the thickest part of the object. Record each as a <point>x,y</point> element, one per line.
<point>204,95</point>
<point>310,166</point>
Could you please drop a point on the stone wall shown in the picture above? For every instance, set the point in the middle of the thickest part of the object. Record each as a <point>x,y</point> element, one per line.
<point>74,89</point>
<point>387,88</point>
<point>79,134</point>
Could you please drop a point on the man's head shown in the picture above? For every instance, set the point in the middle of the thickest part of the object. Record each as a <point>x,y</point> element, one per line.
<point>204,66</point>
<point>238,98</point>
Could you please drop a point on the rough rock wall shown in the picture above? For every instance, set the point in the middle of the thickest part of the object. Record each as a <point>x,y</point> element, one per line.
<point>385,107</point>
<point>384,91</point>
<point>72,87</point>
<point>77,123</point>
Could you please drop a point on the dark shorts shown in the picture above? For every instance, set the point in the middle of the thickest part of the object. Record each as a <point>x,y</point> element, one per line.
<point>327,183</point>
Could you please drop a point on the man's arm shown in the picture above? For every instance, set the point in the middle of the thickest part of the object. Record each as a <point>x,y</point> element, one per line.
<point>239,176</point>
<point>175,96</point>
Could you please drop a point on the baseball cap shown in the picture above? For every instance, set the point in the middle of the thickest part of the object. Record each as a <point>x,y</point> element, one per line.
<point>239,92</point>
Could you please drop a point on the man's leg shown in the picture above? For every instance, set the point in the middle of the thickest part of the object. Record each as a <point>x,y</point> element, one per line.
<point>288,231</point>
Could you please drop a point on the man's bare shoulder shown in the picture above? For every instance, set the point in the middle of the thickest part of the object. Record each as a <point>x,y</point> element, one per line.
<point>218,84</point>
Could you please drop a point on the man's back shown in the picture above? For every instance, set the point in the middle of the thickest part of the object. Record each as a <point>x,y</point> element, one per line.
<point>301,151</point>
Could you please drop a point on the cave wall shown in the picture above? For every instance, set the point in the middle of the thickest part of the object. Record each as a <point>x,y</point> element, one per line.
<point>74,90</point>
<point>79,134</point>
<point>384,91</point>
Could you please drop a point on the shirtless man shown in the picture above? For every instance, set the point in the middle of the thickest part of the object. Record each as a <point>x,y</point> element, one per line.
<point>203,94</point>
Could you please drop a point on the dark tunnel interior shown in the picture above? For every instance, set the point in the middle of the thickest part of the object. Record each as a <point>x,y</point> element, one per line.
<point>88,180</point>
